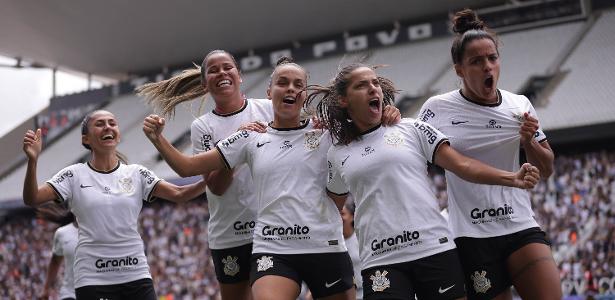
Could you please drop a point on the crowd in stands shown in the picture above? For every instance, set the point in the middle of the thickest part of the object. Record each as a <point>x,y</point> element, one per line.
<point>575,206</point>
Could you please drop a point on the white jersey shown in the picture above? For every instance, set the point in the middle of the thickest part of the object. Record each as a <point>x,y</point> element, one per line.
<point>289,168</point>
<point>64,244</point>
<point>232,215</point>
<point>106,206</point>
<point>397,218</point>
<point>353,251</point>
<point>489,133</point>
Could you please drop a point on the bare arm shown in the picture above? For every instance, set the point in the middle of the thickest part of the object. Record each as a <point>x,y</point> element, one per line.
<point>475,171</point>
<point>202,163</point>
<point>34,195</point>
<point>339,200</point>
<point>537,153</point>
<point>178,194</point>
<point>52,274</point>
<point>219,181</point>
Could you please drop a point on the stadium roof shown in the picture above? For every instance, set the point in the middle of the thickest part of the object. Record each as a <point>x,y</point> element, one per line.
<point>116,37</point>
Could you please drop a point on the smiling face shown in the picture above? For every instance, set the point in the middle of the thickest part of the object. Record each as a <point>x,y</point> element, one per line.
<point>480,70</point>
<point>363,98</point>
<point>102,131</point>
<point>222,78</point>
<point>287,93</point>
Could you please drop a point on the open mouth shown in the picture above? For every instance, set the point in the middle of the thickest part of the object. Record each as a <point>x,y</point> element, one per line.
<point>223,82</point>
<point>289,100</point>
<point>107,137</point>
<point>374,104</point>
<point>489,82</point>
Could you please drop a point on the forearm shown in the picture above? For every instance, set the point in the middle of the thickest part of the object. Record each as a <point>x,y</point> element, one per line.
<point>179,162</point>
<point>477,172</point>
<point>52,273</point>
<point>30,186</point>
<point>219,181</point>
<point>540,156</point>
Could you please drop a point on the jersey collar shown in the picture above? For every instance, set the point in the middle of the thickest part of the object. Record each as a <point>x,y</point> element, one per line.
<point>483,104</point>
<point>245,104</point>
<point>371,129</point>
<point>104,172</point>
<point>302,124</point>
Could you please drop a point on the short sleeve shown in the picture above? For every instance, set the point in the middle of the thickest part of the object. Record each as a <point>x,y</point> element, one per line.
<point>62,183</point>
<point>56,248</point>
<point>335,184</point>
<point>540,134</point>
<point>201,137</point>
<point>149,180</point>
<point>429,139</point>
<point>234,149</point>
<point>429,113</point>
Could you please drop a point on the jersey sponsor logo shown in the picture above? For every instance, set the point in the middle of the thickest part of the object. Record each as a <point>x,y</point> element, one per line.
<point>426,130</point>
<point>393,138</point>
<point>206,142</point>
<point>235,137</point>
<point>426,115</point>
<point>244,227</point>
<point>394,243</point>
<point>491,214</point>
<point>380,282</point>
<point>85,186</point>
<point>330,171</point>
<point>149,178</point>
<point>295,232</point>
<point>367,151</point>
<point>126,185</point>
<point>312,140</point>
<point>345,159</point>
<point>264,263</point>
<point>453,122</point>
<point>259,144</point>
<point>286,145</point>
<point>231,267</point>
<point>115,264</point>
<point>481,283</point>
<point>63,176</point>
<point>107,190</point>
<point>493,124</point>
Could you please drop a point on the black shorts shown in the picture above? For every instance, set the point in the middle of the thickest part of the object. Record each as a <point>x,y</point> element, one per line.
<point>438,276</point>
<point>142,289</point>
<point>484,260</point>
<point>325,274</point>
<point>232,265</point>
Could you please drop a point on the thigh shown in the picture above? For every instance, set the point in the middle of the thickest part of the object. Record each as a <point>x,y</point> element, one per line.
<point>534,272</point>
<point>484,267</point>
<point>142,289</point>
<point>387,282</point>
<point>266,264</point>
<point>439,276</point>
<point>232,265</point>
<point>274,287</point>
<point>236,291</point>
<point>326,274</point>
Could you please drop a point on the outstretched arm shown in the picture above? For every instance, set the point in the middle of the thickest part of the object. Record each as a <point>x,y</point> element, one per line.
<point>537,153</point>
<point>178,193</point>
<point>475,171</point>
<point>34,195</point>
<point>184,165</point>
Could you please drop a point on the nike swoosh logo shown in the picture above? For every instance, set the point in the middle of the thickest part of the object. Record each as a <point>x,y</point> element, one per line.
<point>258,145</point>
<point>442,291</point>
<point>328,285</point>
<point>345,159</point>
<point>85,186</point>
<point>458,122</point>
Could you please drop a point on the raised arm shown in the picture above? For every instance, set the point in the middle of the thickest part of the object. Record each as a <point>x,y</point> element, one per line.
<point>34,195</point>
<point>202,163</point>
<point>537,153</point>
<point>475,171</point>
<point>177,193</point>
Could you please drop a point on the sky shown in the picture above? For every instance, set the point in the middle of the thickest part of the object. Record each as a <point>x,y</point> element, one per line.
<point>25,92</point>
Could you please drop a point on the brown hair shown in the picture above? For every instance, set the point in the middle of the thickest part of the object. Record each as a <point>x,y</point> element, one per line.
<point>84,130</point>
<point>468,27</point>
<point>165,95</point>
<point>336,118</point>
<point>55,213</point>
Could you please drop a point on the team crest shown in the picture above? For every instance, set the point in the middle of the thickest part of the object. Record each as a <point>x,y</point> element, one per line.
<point>379,281</point>
<point>230,265</point>
<point>264,263</point>
<point>393,138</point>
<point>312,139</point>
<point>126,185</point>
<point>481,283</point>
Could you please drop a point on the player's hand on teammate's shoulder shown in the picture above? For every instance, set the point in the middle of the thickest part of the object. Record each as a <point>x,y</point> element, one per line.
<point>256,126</point>
<point>390,115</point>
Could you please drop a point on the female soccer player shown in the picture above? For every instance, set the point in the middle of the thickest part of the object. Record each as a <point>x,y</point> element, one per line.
<point>230,193</point>
<point>106,197</point>
<point>405,245</point>
<point>499,241</point>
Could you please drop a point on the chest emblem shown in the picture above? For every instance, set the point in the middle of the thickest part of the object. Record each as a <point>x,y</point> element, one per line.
<point>264,263</point>
<point>379,281</point>
<point>312,140</point>
<point>481,283</point>
<point>126,185</point>
<point>231,267</point>
<point>393,138</point>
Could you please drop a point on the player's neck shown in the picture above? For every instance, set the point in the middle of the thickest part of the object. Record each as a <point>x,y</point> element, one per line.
<point>103,162</point>
<point>229,105</point>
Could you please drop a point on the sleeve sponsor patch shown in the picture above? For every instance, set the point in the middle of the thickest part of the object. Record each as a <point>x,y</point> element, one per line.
<point>61,177</point>
<point>149,178</point>
<point>235,137</point>
<point>206,142</point>
<point>426,114</point>
<point>428,131</point>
